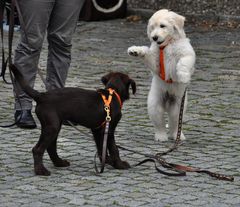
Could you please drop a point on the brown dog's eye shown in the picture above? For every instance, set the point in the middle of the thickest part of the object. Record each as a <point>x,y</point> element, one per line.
<point>162,25</point>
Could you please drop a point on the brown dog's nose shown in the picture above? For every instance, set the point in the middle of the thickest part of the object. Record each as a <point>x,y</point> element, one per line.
<point>155,38</point>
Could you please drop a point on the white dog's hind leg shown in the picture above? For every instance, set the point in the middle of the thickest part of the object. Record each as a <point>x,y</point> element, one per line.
<point>156,114</point>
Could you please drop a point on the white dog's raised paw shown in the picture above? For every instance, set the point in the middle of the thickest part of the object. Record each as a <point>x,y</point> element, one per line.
<point>136,51</point>
<point>161,137</point>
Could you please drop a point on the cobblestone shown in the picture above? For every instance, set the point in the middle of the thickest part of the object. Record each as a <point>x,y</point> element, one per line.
<point>211,127</point>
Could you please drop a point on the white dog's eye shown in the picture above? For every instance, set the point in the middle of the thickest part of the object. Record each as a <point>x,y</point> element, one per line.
<point>162,25</point>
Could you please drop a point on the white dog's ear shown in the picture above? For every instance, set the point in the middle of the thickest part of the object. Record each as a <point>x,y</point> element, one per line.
<point>179,23</point>
<point>148,29</point>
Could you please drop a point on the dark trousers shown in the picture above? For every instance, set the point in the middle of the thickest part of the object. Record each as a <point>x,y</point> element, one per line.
<point>57,19</point>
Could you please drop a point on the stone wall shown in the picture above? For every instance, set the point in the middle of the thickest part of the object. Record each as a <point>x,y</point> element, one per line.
<point>191,7</point>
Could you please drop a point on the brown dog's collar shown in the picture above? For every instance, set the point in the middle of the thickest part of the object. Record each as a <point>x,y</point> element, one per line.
<point>108,101</point>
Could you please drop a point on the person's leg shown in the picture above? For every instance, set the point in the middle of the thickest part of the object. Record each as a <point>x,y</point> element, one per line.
<point>35,15</point>
<point>61,27</point>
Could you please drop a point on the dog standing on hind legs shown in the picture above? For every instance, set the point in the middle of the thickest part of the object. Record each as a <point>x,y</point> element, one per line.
<point>84,107</point>
<point>171,59</point>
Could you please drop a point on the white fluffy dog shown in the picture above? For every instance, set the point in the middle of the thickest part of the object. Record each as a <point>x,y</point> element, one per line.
<point>171,59</point>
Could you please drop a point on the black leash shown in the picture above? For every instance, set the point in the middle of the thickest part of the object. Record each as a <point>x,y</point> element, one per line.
<point>156,160</point>
<point>8,61</point>
<point>107,107</point>
<point>4,59</point>
<point>104,151</point>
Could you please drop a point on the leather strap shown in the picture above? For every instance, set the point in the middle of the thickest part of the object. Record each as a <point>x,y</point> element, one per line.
<point>4,60</point>
<point>178,172</point>
<point>104,151</point>
<point>180,120</point>
<point>155,160</point>
<point>107,102</point>
<point>198,170</point>
<point>7,61</point>
<point>181,170</point>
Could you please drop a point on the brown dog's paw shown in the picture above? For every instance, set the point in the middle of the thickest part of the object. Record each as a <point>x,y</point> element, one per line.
<point>41,170</point>
<point>122,165</point>
<point>61,163</point>
<point>109,161</point>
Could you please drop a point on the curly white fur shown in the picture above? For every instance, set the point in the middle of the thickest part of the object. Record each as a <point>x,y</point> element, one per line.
<point>165,29</point>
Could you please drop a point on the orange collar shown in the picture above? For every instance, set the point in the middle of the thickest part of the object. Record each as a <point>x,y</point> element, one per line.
<point>108,101</point>
<point>161,66</point>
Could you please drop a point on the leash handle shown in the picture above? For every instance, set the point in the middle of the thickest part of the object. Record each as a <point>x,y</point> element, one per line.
<point>198,170</point>
<point>218,175</point>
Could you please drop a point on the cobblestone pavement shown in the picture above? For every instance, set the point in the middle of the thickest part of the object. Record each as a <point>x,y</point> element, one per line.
<point>211,127</point>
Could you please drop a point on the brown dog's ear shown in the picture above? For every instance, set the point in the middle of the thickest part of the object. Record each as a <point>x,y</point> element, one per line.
<point>105,79</point>
<point>133,85</point>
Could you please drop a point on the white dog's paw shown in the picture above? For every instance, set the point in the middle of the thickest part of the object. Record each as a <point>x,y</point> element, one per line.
<point>182,137</point>
<point>136,51</point>
<point>174,136</point>
<point>183,77</point>
<point>161,137</point>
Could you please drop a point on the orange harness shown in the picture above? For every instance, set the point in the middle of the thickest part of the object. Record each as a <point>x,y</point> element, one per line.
<point>161,66</point>
<point>107,103</point>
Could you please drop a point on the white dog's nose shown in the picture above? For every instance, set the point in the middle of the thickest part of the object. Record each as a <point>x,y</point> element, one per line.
<point>155,38</point>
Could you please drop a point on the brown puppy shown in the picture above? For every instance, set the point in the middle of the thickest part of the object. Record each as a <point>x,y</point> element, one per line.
<point>84,107</point>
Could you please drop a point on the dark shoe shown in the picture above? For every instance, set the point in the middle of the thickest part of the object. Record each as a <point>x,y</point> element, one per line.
<point>26,120</point>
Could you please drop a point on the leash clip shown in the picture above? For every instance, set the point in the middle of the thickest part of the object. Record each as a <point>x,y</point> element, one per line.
<point>108,117</point>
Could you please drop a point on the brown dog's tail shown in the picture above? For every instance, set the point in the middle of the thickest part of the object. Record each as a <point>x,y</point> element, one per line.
<point>26,88</point>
